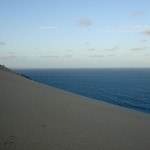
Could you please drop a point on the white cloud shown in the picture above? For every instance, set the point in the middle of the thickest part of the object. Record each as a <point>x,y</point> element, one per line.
<point>113,49</point>
<point>127,29</point>
<point>139,48</point>
<point>9,56</point>
<point>88,43</point>
<point>143,41</point>
<point>49,56</point>
<point>111,55</point>
<point>137,14</point>
<point>85,22</point>
<point>69,50</point>
<point>91,49</point>
<point>11,53</point>
<point>97,56</point>
<point>68,56</point>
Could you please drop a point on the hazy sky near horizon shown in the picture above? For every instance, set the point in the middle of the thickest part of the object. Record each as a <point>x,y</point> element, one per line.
<point>74,33</point>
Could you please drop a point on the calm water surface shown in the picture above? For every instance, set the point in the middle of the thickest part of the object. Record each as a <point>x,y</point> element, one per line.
<point>128,88</point>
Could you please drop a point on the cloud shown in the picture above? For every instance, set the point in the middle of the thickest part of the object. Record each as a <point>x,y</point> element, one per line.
<point>97,56</point>
<point>11,53</point>
<point>49,27</point>
<point>88,43</point>
<point>112,55</point>
<point>137,14</point>
<point>68,56</point>
<point>91,49</point>
<point>146,31</point>
<point>9,57</point>
<point>139,49</point>
<point>2,43</point>
<point>69,50</point>
<point>49,56</point>
<point>143,41</point>
<point>126,29</point>
<point>37,48</point>
<point>85,22</point>
<point>113,49</point>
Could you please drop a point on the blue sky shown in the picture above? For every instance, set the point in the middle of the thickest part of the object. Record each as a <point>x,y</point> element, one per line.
<point>74,33</point>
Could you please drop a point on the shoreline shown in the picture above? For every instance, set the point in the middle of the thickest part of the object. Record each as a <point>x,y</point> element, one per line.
<point>37,116</point>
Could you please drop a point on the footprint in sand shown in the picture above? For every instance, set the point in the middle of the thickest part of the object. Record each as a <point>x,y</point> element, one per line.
<point>43,125</point>
<point>10,140</point>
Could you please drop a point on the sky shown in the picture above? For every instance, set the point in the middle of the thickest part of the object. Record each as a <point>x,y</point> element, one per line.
<point>75,33</point>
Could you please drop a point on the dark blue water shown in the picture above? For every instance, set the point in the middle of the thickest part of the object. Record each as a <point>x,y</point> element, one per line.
<point>128,88</point>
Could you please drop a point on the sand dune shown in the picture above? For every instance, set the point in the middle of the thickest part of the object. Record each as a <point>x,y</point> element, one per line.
<point>34,116</point>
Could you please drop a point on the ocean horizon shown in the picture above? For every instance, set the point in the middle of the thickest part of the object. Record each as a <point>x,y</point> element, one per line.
<point>126,87</point>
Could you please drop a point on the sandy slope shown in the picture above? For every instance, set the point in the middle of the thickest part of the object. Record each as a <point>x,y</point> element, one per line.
<point>38,117</point>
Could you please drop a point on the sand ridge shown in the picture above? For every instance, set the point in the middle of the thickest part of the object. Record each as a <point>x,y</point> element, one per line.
<point>35,116</point>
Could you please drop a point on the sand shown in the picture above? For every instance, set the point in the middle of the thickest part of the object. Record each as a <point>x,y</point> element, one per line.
<point>34,116</point>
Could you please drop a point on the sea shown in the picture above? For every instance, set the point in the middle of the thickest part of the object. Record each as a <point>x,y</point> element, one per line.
<point>129,88</point>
